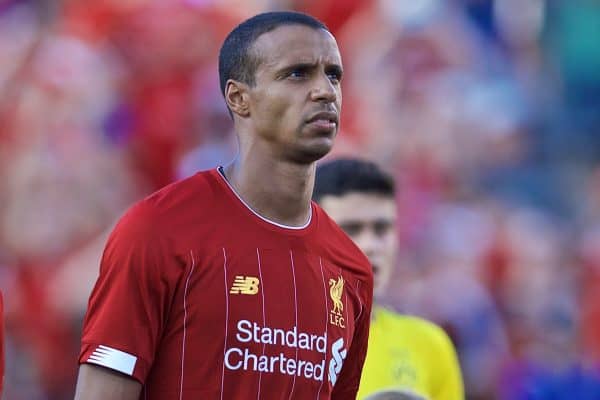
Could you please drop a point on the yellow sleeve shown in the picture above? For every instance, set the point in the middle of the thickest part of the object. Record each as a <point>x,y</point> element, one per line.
<point>412,354</point>
<point>448,379</point>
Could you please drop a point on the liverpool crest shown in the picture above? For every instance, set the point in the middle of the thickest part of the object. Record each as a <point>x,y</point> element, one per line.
<point>336,290</point>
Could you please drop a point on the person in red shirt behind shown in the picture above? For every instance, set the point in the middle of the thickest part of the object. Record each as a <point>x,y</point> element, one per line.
<point>233,284</point>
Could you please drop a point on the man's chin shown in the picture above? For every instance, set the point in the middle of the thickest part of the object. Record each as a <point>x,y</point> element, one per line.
<point>313,152</point>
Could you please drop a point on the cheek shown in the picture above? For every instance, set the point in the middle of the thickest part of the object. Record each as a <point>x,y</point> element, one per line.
<point>391,246</point>
<point>268,114</point>
<point>278,110</point>
<point>277,103</point>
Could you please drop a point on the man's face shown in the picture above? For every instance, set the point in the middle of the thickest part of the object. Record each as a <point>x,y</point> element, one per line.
<point>296,100</point>
<point>370,221</point>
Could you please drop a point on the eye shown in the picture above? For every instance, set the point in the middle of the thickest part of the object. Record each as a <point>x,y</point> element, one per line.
<point>382,227</point>
<point>335,78</point>
<point>298,73</point>
<point>352,229</point>
<point>334,74</point>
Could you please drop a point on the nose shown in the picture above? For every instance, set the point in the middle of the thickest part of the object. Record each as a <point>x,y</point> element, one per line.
<point>369,243</point>
<point>324,90</point>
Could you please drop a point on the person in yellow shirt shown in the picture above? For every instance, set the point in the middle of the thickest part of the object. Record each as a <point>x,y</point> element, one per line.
<point>406,354</point>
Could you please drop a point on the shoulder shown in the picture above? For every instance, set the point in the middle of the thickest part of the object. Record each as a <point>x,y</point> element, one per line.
<point>155,232</point>
<point>335,236</point>
<point>176,202</point>
<point>419,327</point>
<point>196,191</point>
<point>337,245</point>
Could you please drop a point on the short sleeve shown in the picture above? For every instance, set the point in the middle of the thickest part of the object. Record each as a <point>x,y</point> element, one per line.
<point>128,306</point>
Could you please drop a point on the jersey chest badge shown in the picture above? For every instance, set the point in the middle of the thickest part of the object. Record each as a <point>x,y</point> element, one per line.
<point>336,290</point>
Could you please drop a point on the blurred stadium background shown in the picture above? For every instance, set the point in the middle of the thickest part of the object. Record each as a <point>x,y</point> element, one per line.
<point>487,112</point>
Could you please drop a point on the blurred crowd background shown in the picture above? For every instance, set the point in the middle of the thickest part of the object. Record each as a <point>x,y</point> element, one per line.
<point>487,113</point>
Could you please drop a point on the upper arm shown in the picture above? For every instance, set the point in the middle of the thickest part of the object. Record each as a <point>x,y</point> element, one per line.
<point>99,383</point>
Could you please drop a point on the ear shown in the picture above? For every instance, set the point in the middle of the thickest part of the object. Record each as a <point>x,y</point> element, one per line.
<point>236,96</point>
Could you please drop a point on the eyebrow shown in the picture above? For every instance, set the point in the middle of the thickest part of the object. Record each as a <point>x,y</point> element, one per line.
<point>309,66</point>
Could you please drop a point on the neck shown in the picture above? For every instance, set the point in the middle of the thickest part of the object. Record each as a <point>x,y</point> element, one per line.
<point>277,190</point>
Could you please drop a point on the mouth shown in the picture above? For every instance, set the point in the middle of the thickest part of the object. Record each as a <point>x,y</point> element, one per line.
<point>325,120</point>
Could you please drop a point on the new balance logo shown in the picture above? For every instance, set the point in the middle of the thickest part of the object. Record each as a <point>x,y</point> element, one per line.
<point>244,285</point>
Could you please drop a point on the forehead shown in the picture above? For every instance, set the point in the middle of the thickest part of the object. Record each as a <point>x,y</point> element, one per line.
<point>359,207</point>
<point>289,44</point>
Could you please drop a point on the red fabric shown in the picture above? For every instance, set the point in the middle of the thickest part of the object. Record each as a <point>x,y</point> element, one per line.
<point>166,296</point>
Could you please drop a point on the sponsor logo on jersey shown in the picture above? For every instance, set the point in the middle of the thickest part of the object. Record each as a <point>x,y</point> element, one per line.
<point>242,357</point>
<point>338,355</point>
<point>336,290</point>
<point>245,285</point>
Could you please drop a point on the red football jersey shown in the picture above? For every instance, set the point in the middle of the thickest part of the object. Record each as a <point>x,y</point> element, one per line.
<point>201,298</point>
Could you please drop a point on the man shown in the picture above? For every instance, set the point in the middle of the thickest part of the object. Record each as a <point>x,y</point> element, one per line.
<point>231,284</point>
<point>406,353</point>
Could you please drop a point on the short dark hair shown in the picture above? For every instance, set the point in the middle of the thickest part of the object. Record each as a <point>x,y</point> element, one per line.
<point>351,175</point>
<point>394,395</point>
<point>236,60</point>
